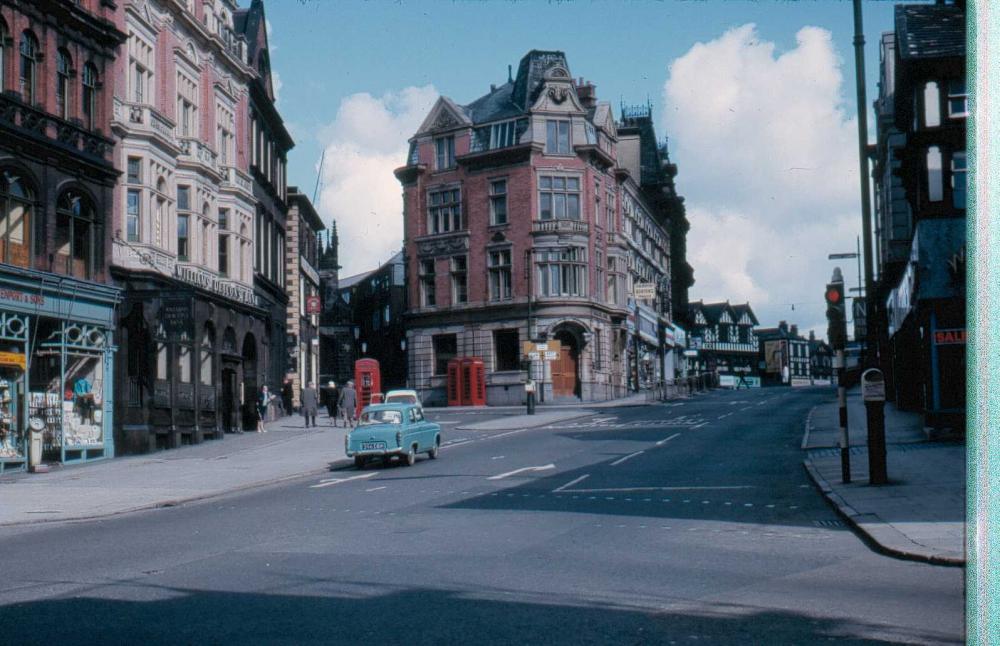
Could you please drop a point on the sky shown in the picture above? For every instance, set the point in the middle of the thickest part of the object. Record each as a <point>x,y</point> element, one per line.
<point>757,99</point>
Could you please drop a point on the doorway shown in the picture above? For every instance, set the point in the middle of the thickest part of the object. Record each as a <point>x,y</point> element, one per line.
<point>250,393</point>
<point>228,402</point>
<point>566,369</point>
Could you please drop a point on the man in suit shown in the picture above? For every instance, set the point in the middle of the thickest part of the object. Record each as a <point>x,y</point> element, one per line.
<point>309,403</point>
<point>348,402</point>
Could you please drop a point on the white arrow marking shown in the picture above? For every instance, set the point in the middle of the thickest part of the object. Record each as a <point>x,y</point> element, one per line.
<point>329,482</point>
<point>516,471</point>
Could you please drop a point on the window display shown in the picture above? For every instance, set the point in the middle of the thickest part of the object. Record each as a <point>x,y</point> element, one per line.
<point>12,442</point>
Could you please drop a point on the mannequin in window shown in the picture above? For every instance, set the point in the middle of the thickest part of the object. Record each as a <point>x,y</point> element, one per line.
<point>82,393</point>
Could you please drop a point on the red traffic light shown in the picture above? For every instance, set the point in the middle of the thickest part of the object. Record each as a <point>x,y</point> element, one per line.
<point>833,296</point>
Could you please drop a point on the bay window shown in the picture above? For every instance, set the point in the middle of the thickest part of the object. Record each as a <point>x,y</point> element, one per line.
<point>559,198</point>
<point>445,211</point>
<point>562,272</point>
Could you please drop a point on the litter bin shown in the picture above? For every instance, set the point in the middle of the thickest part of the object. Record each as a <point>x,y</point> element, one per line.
<point>35,448</point>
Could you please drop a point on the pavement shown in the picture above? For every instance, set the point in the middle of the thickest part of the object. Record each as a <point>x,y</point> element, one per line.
<point>920,514</point>
<point>197,472</point>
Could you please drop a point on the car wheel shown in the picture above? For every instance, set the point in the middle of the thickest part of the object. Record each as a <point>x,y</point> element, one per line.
<point>433,453</point>
<point>359,462</point>
<point>411,456</point>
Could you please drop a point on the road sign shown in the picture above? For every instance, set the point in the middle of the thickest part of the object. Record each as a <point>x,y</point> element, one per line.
<point>644,291</point>
<point>534,356</point>
<point>872,385</point>
<point>841,256</point>
<point>313,305</point>
<point>551,355</point>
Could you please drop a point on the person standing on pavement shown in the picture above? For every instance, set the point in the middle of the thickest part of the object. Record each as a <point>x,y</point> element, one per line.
<point>262,402</point>
<point>347,403</point>
<point>286,396</point>
<point>309,403</point>
<point>331,401</point>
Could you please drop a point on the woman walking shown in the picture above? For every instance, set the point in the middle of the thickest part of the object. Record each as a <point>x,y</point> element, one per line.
<point>262,401</point>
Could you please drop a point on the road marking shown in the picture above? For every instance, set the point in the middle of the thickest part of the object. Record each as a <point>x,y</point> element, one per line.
<point>501,476</point>
<point>627,457</point>
<point>571,483</point>
<point>626,489</point>
<point>667,439</point>
<point>520,430</point>
<point>700,425</point>
<point>373,489</point>
<point>329,482</point>
<point>497,457</point>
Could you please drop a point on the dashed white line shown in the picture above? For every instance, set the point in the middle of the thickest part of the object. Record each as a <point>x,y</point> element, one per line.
<point>501,476</point>
<point>571,483</point>
<point>667,439</point>
<point>627,457</point>
<point>329,482</point>
<point>373,489</point>
<point>700,425</point>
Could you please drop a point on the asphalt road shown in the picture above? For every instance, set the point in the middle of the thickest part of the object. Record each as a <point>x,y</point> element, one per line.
<point>668,524</point>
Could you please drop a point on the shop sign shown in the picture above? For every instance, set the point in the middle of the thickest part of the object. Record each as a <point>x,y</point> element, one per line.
<point>900,300</point>
<point>775,355</point>
<point>313,305</point>
<point>21,298</point>
<point>668,335</point>
<point>529,347</point>
<point>952,336</point>
<point>680,336</point>
<point>176,315</point>
<point>644,291</point>
<point>552,355</point>
<point>210,282</point>
<point>13,359</point>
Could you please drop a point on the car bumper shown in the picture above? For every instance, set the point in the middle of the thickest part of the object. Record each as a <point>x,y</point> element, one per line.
<point>396,450</point>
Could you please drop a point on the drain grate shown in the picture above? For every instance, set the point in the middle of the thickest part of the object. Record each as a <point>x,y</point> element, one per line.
<point>828,523</point>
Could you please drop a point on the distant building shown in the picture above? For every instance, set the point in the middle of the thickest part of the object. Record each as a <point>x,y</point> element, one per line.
<point>303,280</point>
<point>821,360</point>
<point>725,340</point>
<point>785,355</point>
<point>920,209</point>
<point>336,335</point>
<point>377,301</point>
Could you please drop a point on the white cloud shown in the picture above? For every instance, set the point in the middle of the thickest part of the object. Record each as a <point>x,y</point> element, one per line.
<point>366,141</point>
<point>767,160</point>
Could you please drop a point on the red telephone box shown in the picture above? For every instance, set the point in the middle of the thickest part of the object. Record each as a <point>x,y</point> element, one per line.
<point>454,386</point>
<point>367,382</point>
<point>473,382</point>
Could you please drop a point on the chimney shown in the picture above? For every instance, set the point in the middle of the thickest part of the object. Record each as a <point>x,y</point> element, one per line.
<point>588,94</point>
<point>812,335</point>
<point>794,330</point>
<point>493,87</point>
<point>783,326</point>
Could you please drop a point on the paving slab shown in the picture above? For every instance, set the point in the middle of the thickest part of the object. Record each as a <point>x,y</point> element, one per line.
<point>920,513</point>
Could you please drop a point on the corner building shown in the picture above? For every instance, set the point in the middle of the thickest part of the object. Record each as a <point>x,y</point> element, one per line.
<point>513,232</point>
<point>193,333</point>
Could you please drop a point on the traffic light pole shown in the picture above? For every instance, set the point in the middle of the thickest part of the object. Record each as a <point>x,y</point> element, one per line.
<point>836,314</point>
<point>845,443</point>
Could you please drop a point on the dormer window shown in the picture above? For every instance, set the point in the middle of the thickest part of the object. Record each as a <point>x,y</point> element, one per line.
<point>557,137</point>
<point>445,152</point>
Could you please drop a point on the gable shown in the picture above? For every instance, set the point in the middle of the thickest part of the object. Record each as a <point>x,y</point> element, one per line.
<point>558,93</point>
<point>445,115</point>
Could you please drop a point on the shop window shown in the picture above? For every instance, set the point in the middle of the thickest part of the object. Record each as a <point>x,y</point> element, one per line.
<point>207,360</point>
<point>75,225</point>
<point>506,350</point>
<point>184,363</point>
<point>445,349</point>
<point>17,203</point>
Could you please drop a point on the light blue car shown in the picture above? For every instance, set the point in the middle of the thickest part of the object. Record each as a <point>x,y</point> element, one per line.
<point>385,430</point>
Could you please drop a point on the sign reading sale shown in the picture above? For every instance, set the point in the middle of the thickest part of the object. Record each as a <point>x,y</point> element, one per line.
<point>954,336</point>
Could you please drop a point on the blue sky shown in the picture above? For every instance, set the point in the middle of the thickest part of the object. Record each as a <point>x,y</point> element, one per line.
<point>340,61</point>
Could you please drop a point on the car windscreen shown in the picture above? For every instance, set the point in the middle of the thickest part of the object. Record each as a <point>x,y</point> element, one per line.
<point>381,417</point>
<point>402,399</point>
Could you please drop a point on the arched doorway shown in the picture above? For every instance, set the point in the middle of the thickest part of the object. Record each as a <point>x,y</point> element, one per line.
<point>566,369</point>
<point>249,382</point>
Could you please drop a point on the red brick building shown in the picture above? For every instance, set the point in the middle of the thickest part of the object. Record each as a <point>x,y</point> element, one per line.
<point>514,232</point>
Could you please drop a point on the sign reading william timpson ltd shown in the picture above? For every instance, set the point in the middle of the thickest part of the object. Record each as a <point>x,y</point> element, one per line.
<point>209,281</point>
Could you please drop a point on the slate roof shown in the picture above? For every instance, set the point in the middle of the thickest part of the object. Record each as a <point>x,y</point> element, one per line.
<point>740,310</point>
<point>494,106</point>
<point>930,31</point>
<point>530,73</point>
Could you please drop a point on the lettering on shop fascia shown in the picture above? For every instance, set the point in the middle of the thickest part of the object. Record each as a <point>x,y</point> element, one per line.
<point>211,282</point>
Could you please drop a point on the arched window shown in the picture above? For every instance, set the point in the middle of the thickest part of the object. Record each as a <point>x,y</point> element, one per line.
<point>207,360</point>
<point>89,99</point>
<point>64,65</point>
<point>75,235</point>
<point>17,204</point>
<point>29,64</point>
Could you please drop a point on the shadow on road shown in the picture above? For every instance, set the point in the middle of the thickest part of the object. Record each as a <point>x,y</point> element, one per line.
<point>356,613</point>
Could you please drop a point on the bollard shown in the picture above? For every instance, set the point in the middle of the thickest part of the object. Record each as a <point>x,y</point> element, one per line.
<point>845,442</point>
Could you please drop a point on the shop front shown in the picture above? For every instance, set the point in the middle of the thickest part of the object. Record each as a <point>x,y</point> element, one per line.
<point>56,367</point>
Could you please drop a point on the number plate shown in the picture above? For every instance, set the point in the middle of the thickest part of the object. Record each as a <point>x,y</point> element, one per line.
<point>372,446</point>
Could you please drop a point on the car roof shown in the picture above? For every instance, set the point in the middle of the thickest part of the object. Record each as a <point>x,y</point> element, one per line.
<point>401,391</point>
<point>389,406</point>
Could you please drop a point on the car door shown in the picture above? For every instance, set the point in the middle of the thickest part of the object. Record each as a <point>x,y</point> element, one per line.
<point>427,430</point>
<point>413,430</point>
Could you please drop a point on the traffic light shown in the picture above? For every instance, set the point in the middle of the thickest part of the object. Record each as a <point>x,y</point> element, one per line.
<point>836,314</point>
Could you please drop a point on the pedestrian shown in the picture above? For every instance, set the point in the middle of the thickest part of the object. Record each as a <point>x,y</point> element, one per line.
<point>347,403</point>
<point>331,401</point>
<point>286,395</point>
<point>262,402</point>
<point>308,404</point>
